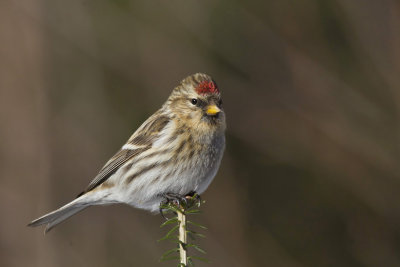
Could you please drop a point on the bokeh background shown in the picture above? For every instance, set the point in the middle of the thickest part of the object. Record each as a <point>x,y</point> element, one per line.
<point>311,173</point>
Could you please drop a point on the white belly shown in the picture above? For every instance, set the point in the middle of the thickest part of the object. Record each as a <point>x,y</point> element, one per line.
<point>147,191</point>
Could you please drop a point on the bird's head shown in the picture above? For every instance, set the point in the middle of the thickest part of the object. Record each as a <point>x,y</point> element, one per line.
<point>197,102</point>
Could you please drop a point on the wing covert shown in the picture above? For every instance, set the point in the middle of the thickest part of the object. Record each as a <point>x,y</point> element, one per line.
<point>143,138</point>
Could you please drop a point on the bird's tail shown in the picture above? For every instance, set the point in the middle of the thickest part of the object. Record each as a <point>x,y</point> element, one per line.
<point>55,217</point>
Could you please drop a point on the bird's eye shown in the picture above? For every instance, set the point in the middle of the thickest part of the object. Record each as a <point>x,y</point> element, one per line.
<point>193,101</point>
<point>220,103</point>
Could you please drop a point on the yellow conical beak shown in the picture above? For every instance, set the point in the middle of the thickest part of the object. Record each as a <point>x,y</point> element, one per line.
<point>212,110</point>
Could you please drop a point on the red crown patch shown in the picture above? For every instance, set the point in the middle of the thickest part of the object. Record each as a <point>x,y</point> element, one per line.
<point>206,87</point>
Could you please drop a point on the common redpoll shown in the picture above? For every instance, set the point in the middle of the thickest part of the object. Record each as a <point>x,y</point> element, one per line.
<point>177,151</point>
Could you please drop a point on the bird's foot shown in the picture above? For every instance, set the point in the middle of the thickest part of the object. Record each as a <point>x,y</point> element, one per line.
<point>179,201</point>
<point>194,197</point>
<point>171,198</point>
<point>176,199</point>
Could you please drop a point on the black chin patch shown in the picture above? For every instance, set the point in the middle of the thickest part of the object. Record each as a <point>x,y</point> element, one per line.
<point>212,119</point>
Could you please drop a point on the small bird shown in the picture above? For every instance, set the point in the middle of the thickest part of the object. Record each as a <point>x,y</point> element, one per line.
<point>176,152</point>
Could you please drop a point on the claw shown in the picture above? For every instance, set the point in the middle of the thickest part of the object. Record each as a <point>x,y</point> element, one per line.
<point>168,198</point>
<point>196,196</point>
<point>179,200</point>
<point>164,202</point>
<point>198,200</point>
<point>162,214</point>
<point>184,200</point>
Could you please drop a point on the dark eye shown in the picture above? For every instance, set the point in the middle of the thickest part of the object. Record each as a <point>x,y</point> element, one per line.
<point>193,101</point>
<point>220,103</point>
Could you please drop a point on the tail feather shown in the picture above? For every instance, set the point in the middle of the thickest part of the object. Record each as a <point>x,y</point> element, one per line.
<point>55,217</point>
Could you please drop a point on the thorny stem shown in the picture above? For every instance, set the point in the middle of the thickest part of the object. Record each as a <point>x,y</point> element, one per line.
<point>182,237</point>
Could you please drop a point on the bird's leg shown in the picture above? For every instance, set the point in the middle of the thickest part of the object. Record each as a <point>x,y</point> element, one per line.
<point>176,199</point>
<point>179,200</point>
<point>192,195</point>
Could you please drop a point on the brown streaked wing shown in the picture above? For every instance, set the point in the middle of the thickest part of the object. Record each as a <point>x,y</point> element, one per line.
<point>150,130</point>
<point>112,166</point>
<point>143,138</point>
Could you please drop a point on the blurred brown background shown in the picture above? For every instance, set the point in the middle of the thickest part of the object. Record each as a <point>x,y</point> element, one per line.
<point>311,90</point>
